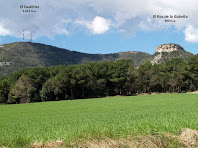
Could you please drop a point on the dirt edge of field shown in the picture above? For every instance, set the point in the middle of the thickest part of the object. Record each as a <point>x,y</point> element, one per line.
<point>194,92</point>
<point>186,138</point>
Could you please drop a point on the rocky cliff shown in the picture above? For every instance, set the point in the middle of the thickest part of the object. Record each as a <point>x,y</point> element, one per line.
<point>168,51</point>
<point>168,48</point>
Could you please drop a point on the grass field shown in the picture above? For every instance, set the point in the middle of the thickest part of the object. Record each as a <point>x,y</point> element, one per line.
<point>111,117</point>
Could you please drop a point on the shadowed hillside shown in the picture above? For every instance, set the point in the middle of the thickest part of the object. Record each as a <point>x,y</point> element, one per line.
<point>18,55</point>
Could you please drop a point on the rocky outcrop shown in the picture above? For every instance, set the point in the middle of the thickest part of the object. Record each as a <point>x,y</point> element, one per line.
<point>5,63</point>
<point>168,48</point>
<point>156,59</point>
<point>168,51</point>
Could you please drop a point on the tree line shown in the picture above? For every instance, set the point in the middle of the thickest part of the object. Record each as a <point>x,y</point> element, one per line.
<point>101,79</point>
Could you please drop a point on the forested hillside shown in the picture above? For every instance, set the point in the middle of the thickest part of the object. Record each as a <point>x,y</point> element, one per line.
<point>18,55</point>
<point>98,79</point>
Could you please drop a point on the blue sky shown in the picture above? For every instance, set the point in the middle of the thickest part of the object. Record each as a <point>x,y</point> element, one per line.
<point>113,41</point>
<point>101,26</point>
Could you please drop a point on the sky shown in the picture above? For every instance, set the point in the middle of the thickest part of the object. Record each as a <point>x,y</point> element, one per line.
<point>101,26</point>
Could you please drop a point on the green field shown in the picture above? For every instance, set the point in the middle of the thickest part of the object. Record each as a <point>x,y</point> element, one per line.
<point>111,117</point>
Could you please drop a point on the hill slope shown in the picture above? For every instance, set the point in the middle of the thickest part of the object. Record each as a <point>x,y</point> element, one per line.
<point>18,55</point>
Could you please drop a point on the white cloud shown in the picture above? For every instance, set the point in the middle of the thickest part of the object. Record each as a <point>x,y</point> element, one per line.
<point>97,15</point>
<point>99,25</point>
<point>3,31</point>
<point>191,34</point>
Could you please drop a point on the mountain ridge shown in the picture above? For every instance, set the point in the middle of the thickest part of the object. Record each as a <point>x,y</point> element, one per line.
<point>17,55</point>
<point>28,54</point>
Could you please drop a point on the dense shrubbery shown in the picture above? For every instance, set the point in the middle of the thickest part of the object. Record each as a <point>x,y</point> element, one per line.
<point>98,80</point>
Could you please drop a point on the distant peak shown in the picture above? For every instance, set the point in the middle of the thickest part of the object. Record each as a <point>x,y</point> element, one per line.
<point>168,47</point>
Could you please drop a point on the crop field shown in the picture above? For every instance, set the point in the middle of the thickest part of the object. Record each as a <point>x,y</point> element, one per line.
<point>111,117</point>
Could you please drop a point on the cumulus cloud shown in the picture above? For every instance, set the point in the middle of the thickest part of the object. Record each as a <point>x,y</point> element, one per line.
<point>3,31</point>
<point>191,34</point>
<point>98,26</point>
<point>65,16</point>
